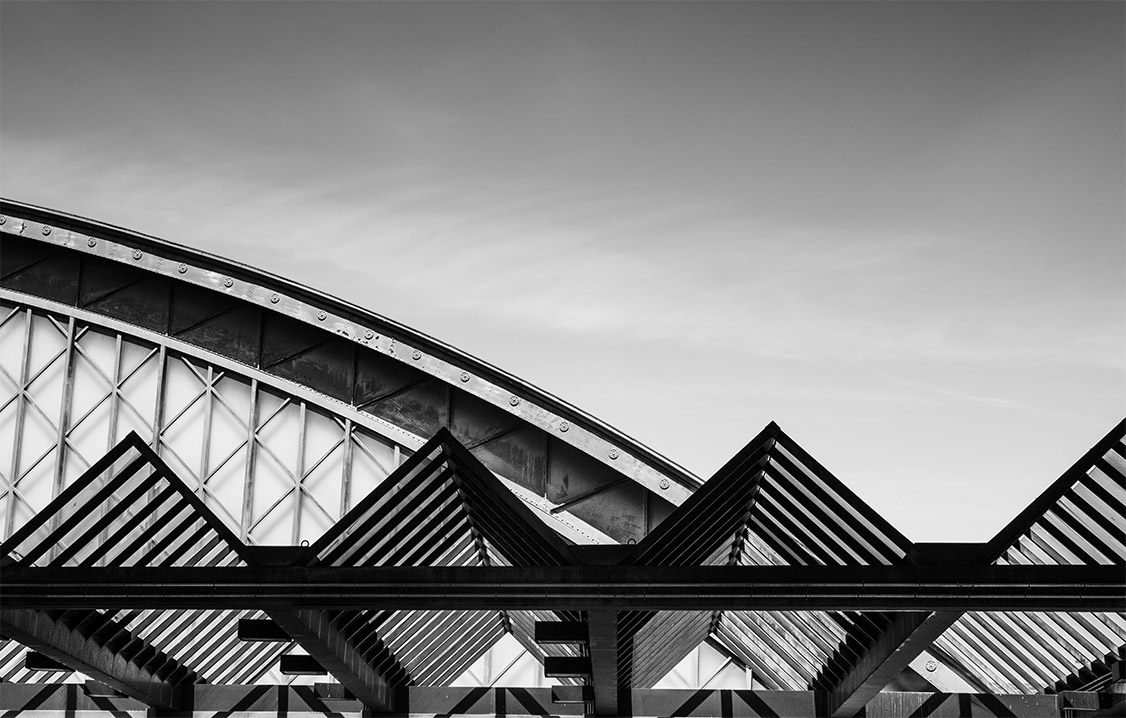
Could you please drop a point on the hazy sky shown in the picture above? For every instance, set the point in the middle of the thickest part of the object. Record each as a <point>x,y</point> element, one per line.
<point>899,230</point>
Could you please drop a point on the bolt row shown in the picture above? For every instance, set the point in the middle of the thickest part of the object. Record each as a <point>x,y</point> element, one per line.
<point>275,298</point>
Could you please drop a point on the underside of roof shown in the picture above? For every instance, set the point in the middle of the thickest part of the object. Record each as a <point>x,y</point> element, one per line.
<point>171,412</point>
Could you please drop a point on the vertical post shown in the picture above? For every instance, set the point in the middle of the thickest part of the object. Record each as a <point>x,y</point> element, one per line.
<point>21,411</point>
<point>158,408</point>
<point>205,441</point>
<point>114,397</point>
<point>64,410</point>
<point>603,634</point>
<point>64,417</point>
<point>114,411</point>
<point>299,475</point>
<point>346,470</point>
<point>157,419</point>
<point>248,477</point>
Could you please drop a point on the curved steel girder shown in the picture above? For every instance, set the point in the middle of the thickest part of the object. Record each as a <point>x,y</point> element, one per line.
<point>562,521</point>
<point>337,318</point>
<point>285,386</point>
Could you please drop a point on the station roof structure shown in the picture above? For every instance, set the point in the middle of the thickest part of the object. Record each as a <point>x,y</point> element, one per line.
<point>214,479</point>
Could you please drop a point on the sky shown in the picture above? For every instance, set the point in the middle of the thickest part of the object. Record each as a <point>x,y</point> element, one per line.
<point>896,229</point>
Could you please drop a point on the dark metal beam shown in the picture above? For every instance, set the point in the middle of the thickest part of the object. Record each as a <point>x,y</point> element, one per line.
<point>298,665</point>
<point>325,699</point>
<point>336,654</point>
<point>549,633</point>
<point>259,630</point>
<point>36,661</point>
<point>566,666</point>
<point>883,657</point>
<point>571,695</point>
<point>797,588</point>
<point>604,661</point>
<point>52,638</point>
<point>908,635</point>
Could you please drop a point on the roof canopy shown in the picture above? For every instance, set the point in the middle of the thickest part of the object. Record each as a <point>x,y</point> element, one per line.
<point>284,470</point>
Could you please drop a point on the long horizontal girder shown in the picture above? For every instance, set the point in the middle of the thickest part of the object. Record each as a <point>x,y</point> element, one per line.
<point>643,588</point>
<point>329,699</point>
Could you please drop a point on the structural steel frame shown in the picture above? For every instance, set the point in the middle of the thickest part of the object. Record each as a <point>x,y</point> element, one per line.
<point>148,576</point>
<point>331,318</point>
<point>325,699</point>
<point>606,585</point>
<point>575,588</point>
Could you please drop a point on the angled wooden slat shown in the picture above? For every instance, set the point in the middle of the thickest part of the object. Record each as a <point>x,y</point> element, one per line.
<point>719,506</point>
<point>862,515</point>
<point>102,519</point>
<point>69,494</point>
<point>857,680</point>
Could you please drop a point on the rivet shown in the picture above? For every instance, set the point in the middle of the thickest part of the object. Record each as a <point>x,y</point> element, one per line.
<point>183,268</point>
<point>274,298</point>
<point>416,355</point>
<point>137,254</point>
<point>46,230</point>
<point>932,666</point>
<point>664,483</point>
<point>465,376</point>
<point>515,401</point>
<point>228,282</point>
<point>3,219</point>
<point>322,316</point>
<point>613,453</point>
<point>91,242</point>
<point>369,334</point>
<point>564,427</point>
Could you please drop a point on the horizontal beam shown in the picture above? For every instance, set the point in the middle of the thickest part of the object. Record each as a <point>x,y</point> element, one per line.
<point>566,666</point>
<point>298,665</point>
<point>261,630</point>
<point>36,661</point>
<point>555,633</point>
<point>437,700</point>
<point>798,588</point>
<point>572,695</point>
